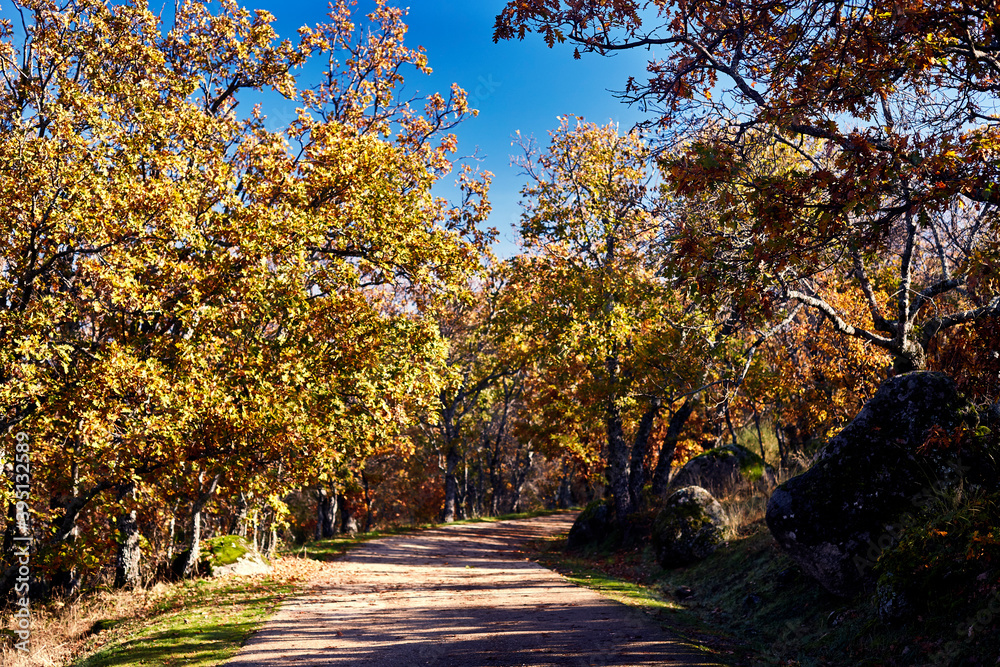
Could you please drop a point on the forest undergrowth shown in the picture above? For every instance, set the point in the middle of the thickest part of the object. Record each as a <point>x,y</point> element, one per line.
<point>750,604</point>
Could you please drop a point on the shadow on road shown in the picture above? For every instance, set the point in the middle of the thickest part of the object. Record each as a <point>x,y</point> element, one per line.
<point>459,596</point>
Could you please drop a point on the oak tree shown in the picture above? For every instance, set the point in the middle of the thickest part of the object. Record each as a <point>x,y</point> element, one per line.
<point>187,294</point>
<point>891,106</point>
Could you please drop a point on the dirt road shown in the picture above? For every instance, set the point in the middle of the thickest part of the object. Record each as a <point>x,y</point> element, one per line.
<point>458,596</point>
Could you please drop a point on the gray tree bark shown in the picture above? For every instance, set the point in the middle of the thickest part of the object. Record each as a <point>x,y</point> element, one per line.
<point>194,546</point>
<point>638,472</point>
<point>618,462</point>
<point>451,461</point>
<point>129,553</point>
<point>326,515</point>
<point>238,525</point>
<point>348,522</point>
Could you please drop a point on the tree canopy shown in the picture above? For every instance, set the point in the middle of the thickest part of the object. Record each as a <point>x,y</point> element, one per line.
<point>891,109</point>
<point>214,323</point>
<point>187,294</point>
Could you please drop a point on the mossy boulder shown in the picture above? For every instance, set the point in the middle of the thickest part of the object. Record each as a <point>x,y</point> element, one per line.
<point>227,554</point>
<point>721,469</point>
<point>688,528</point>
<point>593,525</point>
<point>896,460</point>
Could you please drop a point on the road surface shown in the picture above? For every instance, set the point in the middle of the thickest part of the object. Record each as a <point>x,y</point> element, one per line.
<point>458,596</point>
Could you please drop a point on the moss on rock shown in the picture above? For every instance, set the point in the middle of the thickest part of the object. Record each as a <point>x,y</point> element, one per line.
<point>226,554</point>
<point>719,470</point>
<point>226,550</point>
<point>947,564</point>
<point>897,460</point>
<point>593,525</point>
<point>688,528</point>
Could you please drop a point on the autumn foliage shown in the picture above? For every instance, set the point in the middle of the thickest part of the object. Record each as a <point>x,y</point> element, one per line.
<point>195,304</point>
<point>210,323</point>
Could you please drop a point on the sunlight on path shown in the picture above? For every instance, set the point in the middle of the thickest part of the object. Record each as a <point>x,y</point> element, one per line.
<point>459,596</point>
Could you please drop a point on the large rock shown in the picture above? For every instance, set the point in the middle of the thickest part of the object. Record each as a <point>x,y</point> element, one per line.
<point>721,469</point>
<point>688,528</point>
<point>835,519</point>
<point>227,554</point>
<point>593,525</point>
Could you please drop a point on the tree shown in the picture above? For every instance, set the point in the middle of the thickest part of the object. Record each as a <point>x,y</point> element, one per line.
<point>476,365</point>
<point>596,298</point>
<point>888,104</point>
<point>186,294</point>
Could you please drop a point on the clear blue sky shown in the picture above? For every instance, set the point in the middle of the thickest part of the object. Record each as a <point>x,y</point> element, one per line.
<point>515,85</point>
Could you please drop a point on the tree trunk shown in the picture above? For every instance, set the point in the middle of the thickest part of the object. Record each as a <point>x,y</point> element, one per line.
<point>495,472</point>
<point>18,540</point>
<point>172,532</point>
<point>782,449</point>
<point>462,506</point>
<point>326,515</point>
<point>238,524</point>
<point>913,357</point>
<point>369,510</point>
<point>129,553</point>
<point>269,532</point>
<point>661,476</point>
<point>729,423</point>
<point>67,581</point>
<point>481,482</point>
<point>760,436</point>
<point>640,448</point>
<point>348,524</point>
<point>520,478</point>
<point>65,531</point>
<point>194,545</point>
<point>618,462</point>
<point>564,497</point>
<point>450,484</point>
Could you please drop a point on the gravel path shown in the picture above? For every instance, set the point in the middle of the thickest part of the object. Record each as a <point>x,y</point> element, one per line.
<point>458,596</point>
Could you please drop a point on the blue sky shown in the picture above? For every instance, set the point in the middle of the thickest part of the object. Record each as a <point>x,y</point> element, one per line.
<point>518,85</point>
<point>515,85</point>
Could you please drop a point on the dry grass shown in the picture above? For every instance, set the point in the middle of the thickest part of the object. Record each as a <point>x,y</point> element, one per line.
<point>63,630</point>
<point>60,628</point>
<point>746,505</point>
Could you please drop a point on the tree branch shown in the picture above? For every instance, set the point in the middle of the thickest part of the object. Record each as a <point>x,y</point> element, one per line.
<point>933,326</point>
<point>838,322</point>
<point>937,288</point>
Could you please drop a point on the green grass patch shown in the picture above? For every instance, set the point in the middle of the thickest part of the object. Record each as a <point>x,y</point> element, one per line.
<point>202,622</point>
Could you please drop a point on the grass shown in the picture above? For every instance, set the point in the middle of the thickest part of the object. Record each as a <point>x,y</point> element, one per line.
<point>197,623</point>
<point>753,605</point>
<point>191,622</point>
<point>749,603</point>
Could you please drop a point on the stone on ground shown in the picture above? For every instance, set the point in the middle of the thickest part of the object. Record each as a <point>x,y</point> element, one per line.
<point>593,525</point>
<point>881,470</point>
<point>722,469</point>
<point>231,554</point>
<point>688,528</point>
